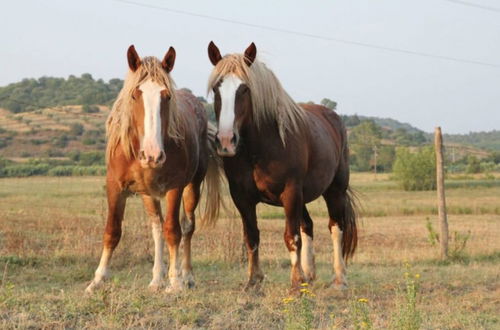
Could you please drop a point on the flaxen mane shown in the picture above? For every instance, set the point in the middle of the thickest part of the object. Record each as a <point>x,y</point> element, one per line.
<point>270,101</point>
<point>120,128</point>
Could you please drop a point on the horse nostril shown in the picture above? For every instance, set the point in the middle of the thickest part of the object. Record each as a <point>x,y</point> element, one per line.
<point>217,141</point>
<point>142,155</point>
<point>161,158</point>
<point>234,139</point>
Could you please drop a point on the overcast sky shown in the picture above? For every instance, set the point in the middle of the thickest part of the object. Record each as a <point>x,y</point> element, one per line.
<point>62,37</point>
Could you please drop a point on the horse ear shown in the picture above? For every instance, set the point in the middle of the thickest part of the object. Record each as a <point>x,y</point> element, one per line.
<point>214,53</point>
<point>169,60</point>
<point>250,54</point>
<point>134,61</point>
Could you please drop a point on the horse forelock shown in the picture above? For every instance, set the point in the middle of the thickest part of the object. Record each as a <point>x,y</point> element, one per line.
<point>120,127</point>
<point>269,100</point>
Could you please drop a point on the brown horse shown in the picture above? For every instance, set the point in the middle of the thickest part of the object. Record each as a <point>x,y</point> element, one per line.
<point>158,146</point>
<point>283,154</point>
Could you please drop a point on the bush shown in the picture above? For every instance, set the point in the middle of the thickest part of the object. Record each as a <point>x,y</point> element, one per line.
<point>415,171</point>
<point>24,170</point>
<point>473,165</point>
<point>76,129</point>
<point>90,108</point>
<point>91,158</point>
<point>61,171</point>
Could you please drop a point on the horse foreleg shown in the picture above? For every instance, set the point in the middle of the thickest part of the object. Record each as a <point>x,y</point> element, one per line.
<point>293,203</point>
<point>112,232</point>
<point>173,233</point>
<point>247,209</point>
<point>153,209</point>
<point>190,197</point>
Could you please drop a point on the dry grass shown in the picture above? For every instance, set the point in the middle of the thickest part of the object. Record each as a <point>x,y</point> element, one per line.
<point>50,234</point>
<point>57,118</point>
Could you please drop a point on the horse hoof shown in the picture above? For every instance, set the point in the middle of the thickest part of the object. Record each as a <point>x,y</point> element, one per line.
<point>92,287</point>
<point>340,285</point>
<point>174,287</point>
<point>155,286</point>
<point>189,281</point>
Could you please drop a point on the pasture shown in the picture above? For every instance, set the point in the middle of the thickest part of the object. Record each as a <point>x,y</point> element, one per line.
<point>50,243</point>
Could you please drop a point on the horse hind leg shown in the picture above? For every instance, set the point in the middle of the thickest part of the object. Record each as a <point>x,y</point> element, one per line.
<point>292,201</point>
<point>112,233</point>
<point>307,250</point>
<point>153,209</point>
<point>190,198</point>
<point>343,230</point>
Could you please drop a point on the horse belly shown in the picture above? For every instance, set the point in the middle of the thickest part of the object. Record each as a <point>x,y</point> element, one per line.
<point>323,166</point>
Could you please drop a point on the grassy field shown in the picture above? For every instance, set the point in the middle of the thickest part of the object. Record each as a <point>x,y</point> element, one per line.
<point>50,242</point>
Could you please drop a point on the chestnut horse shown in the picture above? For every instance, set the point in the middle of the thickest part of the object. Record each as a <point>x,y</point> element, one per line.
<point>158,146</point>
<point>283,154</point>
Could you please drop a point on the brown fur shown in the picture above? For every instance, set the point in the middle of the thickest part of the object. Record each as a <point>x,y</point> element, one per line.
<point>189,158</point>
<point>312,163</point>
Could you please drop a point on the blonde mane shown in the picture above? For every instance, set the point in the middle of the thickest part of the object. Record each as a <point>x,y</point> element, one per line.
<point>120,128</point>
<point>270,101</point>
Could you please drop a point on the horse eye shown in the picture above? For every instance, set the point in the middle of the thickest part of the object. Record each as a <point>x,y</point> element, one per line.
<point>165,95</point>
<point>136,94</point>
<point>243,89</point>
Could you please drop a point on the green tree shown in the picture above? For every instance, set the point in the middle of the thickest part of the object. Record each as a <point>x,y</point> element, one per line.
<point>473,165</point>
<point>415,170</point>
<point>364,139</point>
<point>386,157</point>
<point>330,104</point>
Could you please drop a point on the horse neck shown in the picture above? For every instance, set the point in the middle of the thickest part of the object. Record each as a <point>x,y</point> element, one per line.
<point>262,138</point>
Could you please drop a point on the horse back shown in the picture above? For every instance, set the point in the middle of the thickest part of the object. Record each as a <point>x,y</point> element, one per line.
<point>192,109</point>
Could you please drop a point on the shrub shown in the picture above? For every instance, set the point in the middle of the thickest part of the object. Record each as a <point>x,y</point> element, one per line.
<point>24,170</point>
<point>473,165</point>
<point>61,171</point>
<point>415,171</point>
<point>90,108</point>
<point>91,158</point>
<point>76,129</point>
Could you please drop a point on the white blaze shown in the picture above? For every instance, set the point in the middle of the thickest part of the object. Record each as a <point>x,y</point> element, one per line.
<point>227,91</point>
<point>152,142</point>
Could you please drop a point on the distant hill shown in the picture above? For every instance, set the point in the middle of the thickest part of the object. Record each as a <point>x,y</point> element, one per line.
<point>52,132</point>
<point>33,94</point>
<point>392,124</point>
<point>484,140</point>
<point>53,116</point>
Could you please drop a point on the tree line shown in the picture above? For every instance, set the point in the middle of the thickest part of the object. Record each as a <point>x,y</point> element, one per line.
<point>45,92</point>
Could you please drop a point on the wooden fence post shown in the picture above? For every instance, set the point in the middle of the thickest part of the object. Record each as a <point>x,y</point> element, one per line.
<point>443,221</point>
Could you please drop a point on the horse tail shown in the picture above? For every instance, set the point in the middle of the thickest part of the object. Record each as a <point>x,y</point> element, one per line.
<point>348,218</point>
<point>213,181</point>
<point>349,225</point>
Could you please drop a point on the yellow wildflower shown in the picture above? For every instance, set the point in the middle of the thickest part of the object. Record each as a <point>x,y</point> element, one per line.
<point>363,300</point>
<point>417,276</point>
<point>304,284</point>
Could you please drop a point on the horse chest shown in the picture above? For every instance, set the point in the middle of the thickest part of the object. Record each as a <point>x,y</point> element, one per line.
<point>158,182</point>
<point>268,183</point>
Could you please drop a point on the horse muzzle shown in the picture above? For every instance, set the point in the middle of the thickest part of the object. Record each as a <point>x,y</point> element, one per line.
<point>152,159</point>
<point>226,144</point>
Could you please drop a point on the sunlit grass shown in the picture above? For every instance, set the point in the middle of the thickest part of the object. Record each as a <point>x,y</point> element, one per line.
<point>50,241</point>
